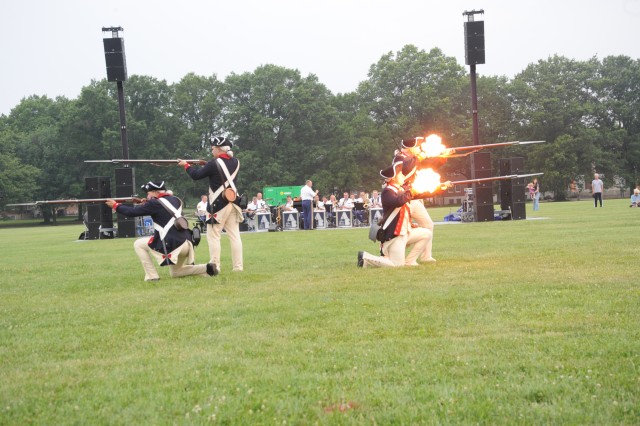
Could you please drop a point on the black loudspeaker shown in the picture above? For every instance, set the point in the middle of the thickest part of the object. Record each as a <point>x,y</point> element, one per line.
<point>125,182</point>
<point>518,211</point>
<point>115,59</point>
<point>101,214</point>
<point>104,187</point>
<point>97,187</point>
<point>474,42</point>
<point>91,187</point>
<point>124,191</point>
<point>125,176</point>
<point>483,213</point>
<point>93,231</point>
<point>94,213</point>
<point>481,164</point>
<point>126,226</point>
<point>483,191</point>
<point>511,166</point>
<point>512,191</point>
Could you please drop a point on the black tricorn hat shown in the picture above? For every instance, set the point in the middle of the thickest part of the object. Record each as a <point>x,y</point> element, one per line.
<point>389,172</point>
<point>153,186</point>
<point>221,141</point>
<point>409,143</point>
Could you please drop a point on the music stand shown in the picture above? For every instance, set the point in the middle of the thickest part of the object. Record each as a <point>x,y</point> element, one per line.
<point>359,212</point>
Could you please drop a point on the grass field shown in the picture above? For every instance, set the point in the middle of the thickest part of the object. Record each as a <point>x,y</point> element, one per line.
<point>519,322</point>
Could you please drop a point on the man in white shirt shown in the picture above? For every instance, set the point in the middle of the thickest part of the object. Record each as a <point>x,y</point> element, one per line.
<point>288,206</point>
<point>375,202</point>
<point>345,203</point>
<point>260,203</point>
<point>201,212</point>
<point>597,186</point>
<point>307,194</point>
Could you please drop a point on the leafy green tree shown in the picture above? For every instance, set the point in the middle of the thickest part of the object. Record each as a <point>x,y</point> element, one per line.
<point>618,91</point>
<point>415,92</point>
<point>553,100</point>
<point>281,123</point>
<point>18,181</point>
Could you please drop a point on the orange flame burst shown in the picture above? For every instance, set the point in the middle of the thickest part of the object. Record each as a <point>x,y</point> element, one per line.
<point>432,146</point>
<point>427,181</point>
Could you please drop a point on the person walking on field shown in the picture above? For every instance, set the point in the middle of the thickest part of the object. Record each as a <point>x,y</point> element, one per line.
<point>597,186</point>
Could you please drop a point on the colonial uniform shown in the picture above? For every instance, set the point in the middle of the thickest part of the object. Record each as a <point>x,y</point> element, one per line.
<point>397,229</point>
<point>224,215</point>
<point>168,245</point>
<point>408,164</point>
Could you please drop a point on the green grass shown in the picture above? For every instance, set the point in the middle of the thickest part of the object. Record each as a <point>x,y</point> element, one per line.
<point>523,322</point>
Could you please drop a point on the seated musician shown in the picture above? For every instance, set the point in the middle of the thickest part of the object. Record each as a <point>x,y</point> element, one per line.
<point>375,202</point>
<point>346,202</point>
<point>319,204</point>
<point>359,208</point>
<point>260,203</point>
<point>288,207</point>
<point>252,208</point>
<point>330,207</point>
<point>201,208</point>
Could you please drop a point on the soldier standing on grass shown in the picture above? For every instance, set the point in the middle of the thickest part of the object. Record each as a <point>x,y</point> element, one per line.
<point>224,214</point>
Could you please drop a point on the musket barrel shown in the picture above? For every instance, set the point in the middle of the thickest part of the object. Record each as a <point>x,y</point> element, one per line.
<point>144,161</point>
<point>463,182</point>
<point>84,200</point>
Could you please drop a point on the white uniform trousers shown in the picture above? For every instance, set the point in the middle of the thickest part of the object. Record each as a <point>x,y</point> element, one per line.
<point>229,219</point>
<point>183,254</point>
<point>421,216</point>
<point>394,251</point>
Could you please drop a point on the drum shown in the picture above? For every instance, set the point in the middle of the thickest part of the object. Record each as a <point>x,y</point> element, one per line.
<point>375,214</point>
<point>263,220</point>
<point>289,221</point>
<point>320,219</point>
<point>344,218</point>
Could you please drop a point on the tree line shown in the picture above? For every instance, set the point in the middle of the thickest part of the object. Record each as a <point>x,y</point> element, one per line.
<point>288,127</point>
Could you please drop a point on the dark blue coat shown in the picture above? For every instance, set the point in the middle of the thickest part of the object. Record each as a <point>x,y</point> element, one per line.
<point>211,171</point>
<point>160,216</point>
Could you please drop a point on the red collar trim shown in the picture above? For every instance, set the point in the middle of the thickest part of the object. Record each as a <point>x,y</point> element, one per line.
<point>225,156</point>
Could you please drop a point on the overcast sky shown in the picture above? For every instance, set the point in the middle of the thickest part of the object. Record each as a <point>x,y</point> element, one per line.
<point>54,47</point>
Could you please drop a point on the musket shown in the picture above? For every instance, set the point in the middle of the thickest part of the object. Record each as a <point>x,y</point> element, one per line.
<point>455,151</point>
<point>155,162</point>
<point>444,185</point>
<point>89,200</point>
<point>489,179</point>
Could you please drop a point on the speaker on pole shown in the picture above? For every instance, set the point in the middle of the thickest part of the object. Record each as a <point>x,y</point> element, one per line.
<point>115,59</point>
<point>474,42</point>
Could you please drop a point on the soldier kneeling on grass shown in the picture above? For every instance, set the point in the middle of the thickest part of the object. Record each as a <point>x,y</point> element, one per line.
<point>169,245</point>
<point>396,231</point>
